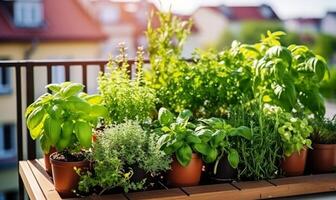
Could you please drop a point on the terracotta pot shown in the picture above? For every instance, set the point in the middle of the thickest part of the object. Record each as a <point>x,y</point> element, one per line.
<point>324,158</point>
<point>47,160</point>
<point>224,170</point>
<point>294,165</point>
<point>190,175</point>
<point>65,177</point>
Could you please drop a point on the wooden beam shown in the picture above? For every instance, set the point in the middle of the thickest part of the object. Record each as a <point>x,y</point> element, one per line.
<point>32,187</point>
<point>44,180</point>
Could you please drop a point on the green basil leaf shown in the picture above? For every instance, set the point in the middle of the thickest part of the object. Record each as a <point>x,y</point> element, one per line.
<point>233,158</point>
<point>183,155</point>
<point>165,117</point>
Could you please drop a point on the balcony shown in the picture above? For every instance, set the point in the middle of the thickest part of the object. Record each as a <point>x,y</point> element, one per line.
<point>39,185</point>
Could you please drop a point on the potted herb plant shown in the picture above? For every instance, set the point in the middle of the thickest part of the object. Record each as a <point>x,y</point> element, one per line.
<point>124,97</point>
<point>126,157</point>
<point>65,119</point>
<point>178,141</point>
<point>294,134</point>
<point>218,148</point>
<point>324,146</point>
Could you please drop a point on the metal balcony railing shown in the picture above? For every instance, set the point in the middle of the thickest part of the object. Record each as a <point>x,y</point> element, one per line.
<point>29,66</point>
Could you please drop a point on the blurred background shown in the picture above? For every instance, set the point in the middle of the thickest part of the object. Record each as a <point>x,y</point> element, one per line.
<point>92,29</point>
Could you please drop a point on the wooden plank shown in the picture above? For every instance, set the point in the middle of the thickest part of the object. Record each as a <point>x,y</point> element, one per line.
<point>104,197</point>
<point>39,186</point>
<point>44,180</point>
<point>174,193</point>
<point>32,187</point>
<point>217,191</point>
<point>253,189</point>
<point>292,186</point>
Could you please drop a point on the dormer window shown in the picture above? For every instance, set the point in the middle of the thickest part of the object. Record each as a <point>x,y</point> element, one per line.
<point>28,13</point>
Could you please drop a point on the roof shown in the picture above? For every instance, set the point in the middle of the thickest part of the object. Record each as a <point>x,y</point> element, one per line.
<point>123,12</point>
<point>306,20</point>
<point>242,13</point>
<point>132,12</point>
<point>63,20</point>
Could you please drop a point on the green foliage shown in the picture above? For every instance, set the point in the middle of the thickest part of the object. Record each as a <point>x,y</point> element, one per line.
<point>324,131</point>
<point>123,97</point>
<point>65,118</point>
<point>328,85</point>
<point>179,137</point>
<point>325,45</point>
<point>294,133</point>
<point>217,135</point>
<point>286,77</point>
<point>259,156</point>
<point>118,152</point>
<point>206,86</point>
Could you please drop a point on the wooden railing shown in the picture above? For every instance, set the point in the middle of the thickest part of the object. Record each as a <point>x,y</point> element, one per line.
<point>29,66</point>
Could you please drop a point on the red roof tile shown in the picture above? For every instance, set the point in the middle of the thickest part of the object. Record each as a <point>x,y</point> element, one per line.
<point>241,13</point>
<point>64,20</point>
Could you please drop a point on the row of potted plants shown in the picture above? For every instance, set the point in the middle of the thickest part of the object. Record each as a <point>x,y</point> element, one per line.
<point>247,113</point>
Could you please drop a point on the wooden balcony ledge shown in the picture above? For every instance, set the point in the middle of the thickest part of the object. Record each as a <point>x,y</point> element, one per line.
<point>39,186</point>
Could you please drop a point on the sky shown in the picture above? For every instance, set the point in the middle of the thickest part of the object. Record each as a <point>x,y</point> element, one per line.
<point>284,8</point>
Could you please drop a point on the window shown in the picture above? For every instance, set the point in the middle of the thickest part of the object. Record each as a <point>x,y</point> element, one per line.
<point>7,141</point>
<point>5,80</point>
<point>28,13</point>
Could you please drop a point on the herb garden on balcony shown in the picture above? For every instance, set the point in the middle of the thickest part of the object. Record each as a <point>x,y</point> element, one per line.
<point>249,113</point>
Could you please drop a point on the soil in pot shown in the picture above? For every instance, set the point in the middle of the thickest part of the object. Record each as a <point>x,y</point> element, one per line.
<point>190,175</point>
<point>64,175</point>
<point>324,158</point>
<point>224,172</point>
<point>294,165</point>
<point>47,160</point>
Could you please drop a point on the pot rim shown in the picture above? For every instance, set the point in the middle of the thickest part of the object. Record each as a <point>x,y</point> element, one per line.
<point>324,146</point>
<point>195,156</point>
<point>66,163</point>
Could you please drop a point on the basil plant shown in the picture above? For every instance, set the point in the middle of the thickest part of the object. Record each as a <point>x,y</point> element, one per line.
<point>179,137</point>
<point>64,117</point>
<point>217,140</point>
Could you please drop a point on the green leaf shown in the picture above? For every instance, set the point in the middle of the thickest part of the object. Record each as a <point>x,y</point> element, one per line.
<point>267,99</point>
<point>317,65</point>
<point>280,52</point>
<point>45,144</point>
<point>191,138</point>
<point>165,117</point>
<point>72,89</point>
<point>183,155</point>
<point>242,131</point>
<point>217,138</point>
<point>204,134</point>
<point>35,118</point>
<point>211,156</point>
<point>98,111</point>
<point>184,116</point>
<point>54,87</point>
<point>37,131</point>
<point>94,99</point>
<point>202,148</point>
<point>163,139</point>
<point>233,158</point>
